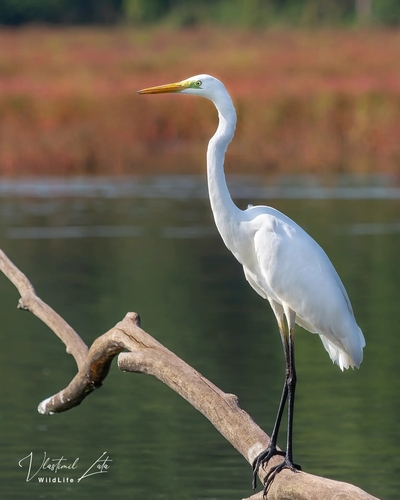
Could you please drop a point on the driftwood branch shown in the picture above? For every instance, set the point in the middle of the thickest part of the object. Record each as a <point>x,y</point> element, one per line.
<point>148,356</point>
<point>29,301</point>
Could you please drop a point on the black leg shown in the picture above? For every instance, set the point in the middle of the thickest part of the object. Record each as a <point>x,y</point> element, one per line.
<point>271,450</point>
<point>292,389</point>
<point>288,393</point>
<point>291,380</point>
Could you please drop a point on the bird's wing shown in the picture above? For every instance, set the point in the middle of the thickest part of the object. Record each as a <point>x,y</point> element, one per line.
<point>293,270</point>
<point>298,272</point>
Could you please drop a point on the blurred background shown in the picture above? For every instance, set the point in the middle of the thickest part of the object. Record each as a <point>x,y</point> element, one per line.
<point>316,85</point>
<point>104,206</point>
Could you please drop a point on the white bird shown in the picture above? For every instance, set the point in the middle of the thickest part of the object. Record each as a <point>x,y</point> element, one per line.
<point>281,262</point>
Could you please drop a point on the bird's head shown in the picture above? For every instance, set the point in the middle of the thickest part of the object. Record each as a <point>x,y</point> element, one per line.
<point>201,85</point>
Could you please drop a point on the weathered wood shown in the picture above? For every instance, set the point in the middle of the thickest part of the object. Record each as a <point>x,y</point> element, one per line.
<point>146,355</point>
<point>29,301</point>
<point>231,421</point>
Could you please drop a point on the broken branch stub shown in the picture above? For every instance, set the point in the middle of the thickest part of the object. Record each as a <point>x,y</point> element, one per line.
<point>146,355</point>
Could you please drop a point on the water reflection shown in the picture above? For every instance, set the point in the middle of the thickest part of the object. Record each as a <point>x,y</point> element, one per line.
<point>192,186</point>
<point>96,248</point>
<point>74,232</point>
<point>375,228</point>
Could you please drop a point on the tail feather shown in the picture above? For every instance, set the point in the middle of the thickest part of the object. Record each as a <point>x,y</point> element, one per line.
<point>341,356</point>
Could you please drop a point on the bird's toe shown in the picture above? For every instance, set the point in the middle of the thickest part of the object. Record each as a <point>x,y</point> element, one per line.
<point>263,458</point>
<point>285,464</point>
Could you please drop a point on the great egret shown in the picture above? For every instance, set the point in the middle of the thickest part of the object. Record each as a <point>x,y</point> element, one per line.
<point>281,262</point>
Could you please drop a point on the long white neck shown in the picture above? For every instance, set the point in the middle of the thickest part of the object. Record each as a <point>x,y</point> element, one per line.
<point>225,211</point>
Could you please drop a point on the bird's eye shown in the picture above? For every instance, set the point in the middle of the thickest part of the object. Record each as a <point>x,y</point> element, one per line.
<point>198,83</point>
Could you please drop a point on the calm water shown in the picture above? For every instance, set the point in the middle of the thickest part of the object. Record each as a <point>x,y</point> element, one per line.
<point>97,249</point>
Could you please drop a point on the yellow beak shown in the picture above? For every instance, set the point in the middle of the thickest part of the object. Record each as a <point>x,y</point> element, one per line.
<point>161,89</point>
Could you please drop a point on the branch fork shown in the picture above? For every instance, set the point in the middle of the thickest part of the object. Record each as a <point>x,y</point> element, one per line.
<point>146,355</point>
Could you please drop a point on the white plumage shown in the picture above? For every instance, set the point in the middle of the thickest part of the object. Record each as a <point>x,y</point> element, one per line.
<point>281,262</point>
<point>287,267</point>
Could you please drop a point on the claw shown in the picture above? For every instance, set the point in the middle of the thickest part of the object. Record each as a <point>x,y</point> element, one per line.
<point>285,464</point>
<point>263,458</point>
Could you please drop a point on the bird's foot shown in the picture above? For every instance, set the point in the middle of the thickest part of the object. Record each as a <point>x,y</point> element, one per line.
<point>285,464</point>
<point>263,458</point>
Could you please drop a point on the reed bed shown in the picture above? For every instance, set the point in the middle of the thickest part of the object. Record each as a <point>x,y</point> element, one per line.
<point>310,101</point>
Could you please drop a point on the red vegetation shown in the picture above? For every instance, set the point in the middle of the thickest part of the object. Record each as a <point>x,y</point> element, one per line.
<point>310,101</point>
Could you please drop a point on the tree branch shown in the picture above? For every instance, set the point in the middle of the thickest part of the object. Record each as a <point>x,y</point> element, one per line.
<point>148,356</point>
<point>29,301</point>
